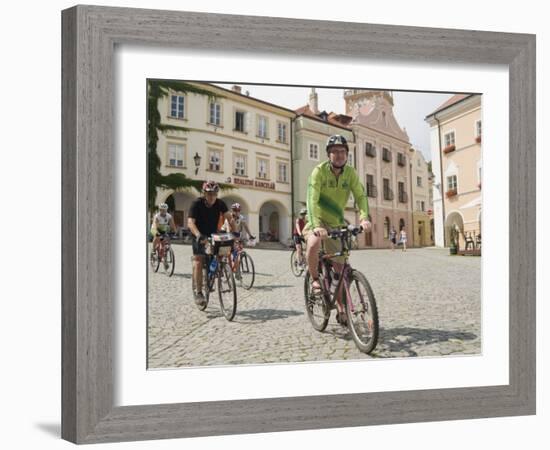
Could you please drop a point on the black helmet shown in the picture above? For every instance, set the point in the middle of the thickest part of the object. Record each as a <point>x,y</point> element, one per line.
<point>337,139</point>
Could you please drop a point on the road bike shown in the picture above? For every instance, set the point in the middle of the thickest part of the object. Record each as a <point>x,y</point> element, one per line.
<point>297,268</point>
<point>163,254</point>
<point>357,297</point>
<point>217,274</point>
<point>242,265</point>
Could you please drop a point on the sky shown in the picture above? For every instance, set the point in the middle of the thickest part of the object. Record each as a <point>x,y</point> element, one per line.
<point>410,108</point>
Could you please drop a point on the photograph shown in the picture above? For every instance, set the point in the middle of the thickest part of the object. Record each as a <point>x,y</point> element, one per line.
<point>301,224</point>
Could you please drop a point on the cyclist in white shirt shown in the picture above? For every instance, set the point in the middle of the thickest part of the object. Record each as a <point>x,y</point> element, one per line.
<point>162,222</point>
<point>240,221</point>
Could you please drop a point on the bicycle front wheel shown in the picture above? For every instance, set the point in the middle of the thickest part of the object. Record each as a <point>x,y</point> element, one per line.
<point>362,313</point>
<point>246,271</point>
<point>154,261</point>
<point>169,262</point>
<point>296,268</point>
<point>227,291</point>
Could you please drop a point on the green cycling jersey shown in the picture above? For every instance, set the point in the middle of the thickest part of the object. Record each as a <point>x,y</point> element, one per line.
<point>327,195</point>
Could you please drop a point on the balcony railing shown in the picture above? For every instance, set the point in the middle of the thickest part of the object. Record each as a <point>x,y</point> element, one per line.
<point>372,191</point>
<point>388,194</point>
<point>403,197</point>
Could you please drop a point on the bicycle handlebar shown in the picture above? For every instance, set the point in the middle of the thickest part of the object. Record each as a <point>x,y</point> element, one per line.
<point>350,229</point>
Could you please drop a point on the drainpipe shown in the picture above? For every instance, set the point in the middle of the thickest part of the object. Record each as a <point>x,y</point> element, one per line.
<point>441,180</point>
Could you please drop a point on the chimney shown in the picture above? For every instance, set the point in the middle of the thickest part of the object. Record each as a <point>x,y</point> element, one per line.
<point>237,88</point>
<point>313,102</point>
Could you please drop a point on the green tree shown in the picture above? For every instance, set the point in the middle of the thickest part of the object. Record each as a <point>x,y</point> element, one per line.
<point>157,89</point>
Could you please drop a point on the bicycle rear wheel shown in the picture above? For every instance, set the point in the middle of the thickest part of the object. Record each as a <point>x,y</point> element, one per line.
<point>362,313</point>
<point>227,291</point>
<point>169,262</point>
<point>296,268</point>
<point>246,271</point>
<point>318,312</point>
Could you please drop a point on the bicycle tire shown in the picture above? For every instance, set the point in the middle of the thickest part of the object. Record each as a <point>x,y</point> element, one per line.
<point>296,269</point>
<point>169,263</point>
<point>227,291</point>
<point>246,270</point>
<point>319,320</point>
<point>365,311</point>
<point>154,260</point>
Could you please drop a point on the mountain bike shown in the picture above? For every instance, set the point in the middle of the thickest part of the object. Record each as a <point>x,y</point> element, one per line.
<point>353,288</point>
<point>217,274</point>
<point>163,254</point>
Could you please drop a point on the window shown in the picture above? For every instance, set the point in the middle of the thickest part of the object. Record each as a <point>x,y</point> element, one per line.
<point>450,138</point>
<point>419,181</point>
<point>350,158</point>
<point>451,183</point>
<point>240,165</point>
<point>401,159</point>
<point>215,114</point>
<point>262,127</point>
<point>175,155</point>
<point>263,168</point>
<point>314,151</point>
<point>239,121</point>
<point>370,150</point>
<point>371,188</point>
<point>478,128</point>
<point>214,161</point>
<point>422,206</point>
<point>281,132</point>
<point>177,103</point>
<point>388,193</point>
<point>386,228</point>
<point>282,172</point>
<point>386,154</point>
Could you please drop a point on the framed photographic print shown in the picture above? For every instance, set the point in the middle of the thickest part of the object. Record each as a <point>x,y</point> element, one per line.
<point>142,80</point>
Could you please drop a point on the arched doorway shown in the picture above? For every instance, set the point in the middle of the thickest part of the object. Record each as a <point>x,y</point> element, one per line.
<point>386,228</point>
<point>454,229</point>
<point>274,222</point>
<point>401,224</point>
<point>179,204</point>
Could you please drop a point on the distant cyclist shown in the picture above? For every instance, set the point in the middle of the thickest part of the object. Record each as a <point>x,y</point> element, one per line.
<point>297,235</point>
<point>328,191</point>
<point>240,222</point>
<point>206,216</point>
<point>162,223</point>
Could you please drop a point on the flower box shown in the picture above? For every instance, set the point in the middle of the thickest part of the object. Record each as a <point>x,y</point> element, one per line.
<point>449,148</point>
<point>451,193</point>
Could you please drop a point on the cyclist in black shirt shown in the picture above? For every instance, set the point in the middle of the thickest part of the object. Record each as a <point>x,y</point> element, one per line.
<point>206,216</point>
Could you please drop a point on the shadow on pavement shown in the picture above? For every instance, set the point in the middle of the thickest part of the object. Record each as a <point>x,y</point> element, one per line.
<point>264,315</point>
<point>403,339</point>
<point>271,287</point>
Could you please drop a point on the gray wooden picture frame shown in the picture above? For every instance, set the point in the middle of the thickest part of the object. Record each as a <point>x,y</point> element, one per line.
<point>90,34</point>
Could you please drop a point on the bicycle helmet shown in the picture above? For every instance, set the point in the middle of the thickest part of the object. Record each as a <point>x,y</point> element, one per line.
<point>336,139</point>
<point>163,206</point>
<point>303,211</point>
<point>210,186</point>
<point>236,207</point>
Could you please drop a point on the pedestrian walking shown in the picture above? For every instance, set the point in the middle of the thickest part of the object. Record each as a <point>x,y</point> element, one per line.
<point>393,237</point>
<point>403,239</point>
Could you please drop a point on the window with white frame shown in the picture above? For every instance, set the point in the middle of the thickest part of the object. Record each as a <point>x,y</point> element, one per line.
<point>282,172</point>
<point>263,168</point>
<point>215,160</point>
<point>314,151</point>
<point>422,205</point>
<point>177,106</point>
<point>262,127</point>
<point>239,165</point>
<point>452,183</point>
<point>215,113</point>
<point>176,154</point>
<point>449,138</point>
<point>419,181</point>
<point>281,132</point>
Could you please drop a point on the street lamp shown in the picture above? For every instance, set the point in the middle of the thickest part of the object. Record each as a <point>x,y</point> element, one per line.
<point>197,160</point>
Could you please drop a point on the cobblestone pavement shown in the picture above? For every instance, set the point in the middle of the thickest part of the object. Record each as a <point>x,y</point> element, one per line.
<point>428,303</point>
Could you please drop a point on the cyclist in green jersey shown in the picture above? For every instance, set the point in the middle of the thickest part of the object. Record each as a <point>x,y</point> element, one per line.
<point>328,191</point>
